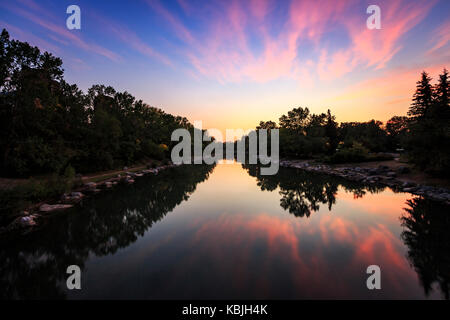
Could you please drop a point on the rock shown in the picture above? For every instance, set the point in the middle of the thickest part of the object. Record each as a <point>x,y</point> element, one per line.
<point>90,185</point>
<point>73,196</point>
<point>130,180</point>
<point>391,174</point>
<point>22,222</point>
<point>28,221</point>
<point>50,208</point>
<point>108,184</point>
<point>125,168</point>
<point>76,195</point>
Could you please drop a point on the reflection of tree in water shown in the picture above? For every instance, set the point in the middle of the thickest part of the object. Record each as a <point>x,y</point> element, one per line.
<point>34,266</point>
<point>303,192</point>
<point>427,226</point>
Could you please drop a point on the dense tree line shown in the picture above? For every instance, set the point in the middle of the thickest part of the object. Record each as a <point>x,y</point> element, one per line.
<point>48,125</point>
<point>424,134</point>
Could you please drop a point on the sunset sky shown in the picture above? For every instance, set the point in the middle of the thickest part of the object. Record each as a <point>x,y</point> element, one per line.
<point>234,63</point>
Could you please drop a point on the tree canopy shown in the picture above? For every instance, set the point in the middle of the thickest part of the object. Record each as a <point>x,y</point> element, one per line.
<point>47,124</point>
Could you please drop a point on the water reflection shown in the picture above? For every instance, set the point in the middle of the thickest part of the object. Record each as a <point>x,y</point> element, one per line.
<point>427,236</point>
<point>35,265</point>
<point>302,192</point>
<point>234,238</point>
<point>426,223</point>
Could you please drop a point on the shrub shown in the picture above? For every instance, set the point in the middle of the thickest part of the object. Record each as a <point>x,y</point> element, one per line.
<point>356,153</point>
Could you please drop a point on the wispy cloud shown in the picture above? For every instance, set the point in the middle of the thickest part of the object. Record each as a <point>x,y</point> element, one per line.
<point>55,29</point>
<point>16,32</point>
<point>441,37</point>
<point>226,51</point>
<point>130,38</point>
<point>177,26</point>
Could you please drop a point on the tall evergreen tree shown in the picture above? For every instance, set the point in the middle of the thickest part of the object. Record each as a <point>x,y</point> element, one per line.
<point>429,129</point>
<point>423,97</point>
<point>331,131</point>
<point>442,89</point>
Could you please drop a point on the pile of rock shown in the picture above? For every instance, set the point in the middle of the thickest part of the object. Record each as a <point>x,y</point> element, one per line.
<point>27,220</point>
<point>382,175</point>
<point>72,197</point>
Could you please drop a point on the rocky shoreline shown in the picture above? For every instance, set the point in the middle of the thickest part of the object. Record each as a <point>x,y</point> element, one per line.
<point>30,218</point>
<point>382,175</point>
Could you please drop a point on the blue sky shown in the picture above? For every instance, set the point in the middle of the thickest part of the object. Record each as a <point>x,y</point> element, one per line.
<point>233,63</point>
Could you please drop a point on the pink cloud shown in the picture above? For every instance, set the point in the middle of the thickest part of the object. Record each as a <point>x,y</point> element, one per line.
<point>441,37</point>
<point>224,51</point>
<point>373,48</point>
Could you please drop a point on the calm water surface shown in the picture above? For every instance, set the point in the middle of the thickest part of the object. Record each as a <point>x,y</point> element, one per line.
<point>227,232</point>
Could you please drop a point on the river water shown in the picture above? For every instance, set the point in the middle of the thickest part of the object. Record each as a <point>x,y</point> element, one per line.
<point>224,231</point>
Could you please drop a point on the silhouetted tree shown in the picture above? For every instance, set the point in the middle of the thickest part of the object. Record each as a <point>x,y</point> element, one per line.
<point>426,235</point>
<point>47,125</point>
<point>428,140</point>
<point>331,131</point>
<point>422,98</point>
<point>397,128</point>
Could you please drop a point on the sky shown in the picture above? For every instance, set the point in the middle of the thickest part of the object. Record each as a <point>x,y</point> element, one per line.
<point>233,63</point>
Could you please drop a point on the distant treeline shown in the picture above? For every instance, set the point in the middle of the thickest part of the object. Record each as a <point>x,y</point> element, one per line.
<point>423,135</point>
<point>48,125</point>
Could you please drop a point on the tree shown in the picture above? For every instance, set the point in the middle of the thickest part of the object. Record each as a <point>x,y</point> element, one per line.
<point>268,125</point>
<point>422,99</point>
<point>331,131</point>
<point>442,90</point>
<point>429,126</point>
<point>48,125</point>
<point>296,119</point>
<point>397,128</point>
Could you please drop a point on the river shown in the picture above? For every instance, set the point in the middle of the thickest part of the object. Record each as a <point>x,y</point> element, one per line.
<point>224,231</point>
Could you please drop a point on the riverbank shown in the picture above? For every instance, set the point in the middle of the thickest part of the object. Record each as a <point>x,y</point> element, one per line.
<point>89,185</point>
<point>393,174</point>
